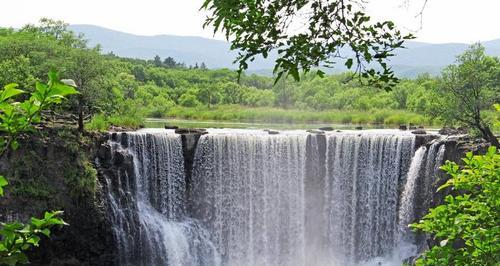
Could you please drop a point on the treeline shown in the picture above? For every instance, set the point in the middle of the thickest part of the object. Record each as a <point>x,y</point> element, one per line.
<point>124,91</point>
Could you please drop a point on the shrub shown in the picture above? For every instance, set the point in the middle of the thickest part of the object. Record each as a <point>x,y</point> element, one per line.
<point>467,225</point>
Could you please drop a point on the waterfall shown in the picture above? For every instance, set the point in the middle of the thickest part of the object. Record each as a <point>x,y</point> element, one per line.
<point>148,210</point>
<point>417,194</point>
<point>255,199</point>
<point>406,211</point>
<point>248,189</point>
<point>361,194</point>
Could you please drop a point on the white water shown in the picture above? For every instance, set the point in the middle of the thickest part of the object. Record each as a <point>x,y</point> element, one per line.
<point>259,199</point>
<point>148,215</point>
<point>361,195</point>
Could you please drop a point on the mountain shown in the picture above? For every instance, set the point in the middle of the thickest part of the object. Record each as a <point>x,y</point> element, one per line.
<point>417,58</point>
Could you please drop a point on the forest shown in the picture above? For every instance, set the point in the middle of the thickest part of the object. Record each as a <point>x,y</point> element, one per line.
<point>123,91</point>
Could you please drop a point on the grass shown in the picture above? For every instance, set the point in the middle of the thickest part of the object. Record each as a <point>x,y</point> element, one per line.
<point>278,115</point>
<point>102,122</point>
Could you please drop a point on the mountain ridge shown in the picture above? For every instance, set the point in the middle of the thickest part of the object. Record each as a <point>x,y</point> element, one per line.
<point>417,58</point>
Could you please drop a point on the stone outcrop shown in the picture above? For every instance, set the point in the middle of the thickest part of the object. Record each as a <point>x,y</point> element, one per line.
<point>56,172</point>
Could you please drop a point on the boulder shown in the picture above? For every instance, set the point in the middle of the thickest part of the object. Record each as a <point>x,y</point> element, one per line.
<point>419,132</point>
<point>171,127</point>
<point>403,127</point>
<point>326,128</point>
<point>272,132</point>
<point>358,128</point>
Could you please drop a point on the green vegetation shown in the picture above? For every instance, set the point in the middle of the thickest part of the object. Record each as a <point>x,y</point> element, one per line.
<point>279,115</point>
<point>468,88</point>
<point>467,225</point>
<point>118,91</point>
<point>17,117</point>
<point>258,28</point>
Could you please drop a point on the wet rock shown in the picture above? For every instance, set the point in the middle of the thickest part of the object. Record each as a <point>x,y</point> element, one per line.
<point>104,153</point>
<point>358,128</point>
<point>314,131</point>
<point>200,131</point>
<point>273,132</point>
<point>326,128</point>
<point>413,127</point>
<point>419,132</point>
<point>420,127</point>
<point>124,140</point>
<point>403,127</point>
<point>114,136</point>
<point>113,128</point>
<point>171,127</point>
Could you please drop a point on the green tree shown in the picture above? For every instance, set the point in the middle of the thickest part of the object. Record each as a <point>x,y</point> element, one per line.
<point>87,68</point>
<point>333,29</point>
<point>467,225</point>
<point>157,61</point>
<point>469,87</point>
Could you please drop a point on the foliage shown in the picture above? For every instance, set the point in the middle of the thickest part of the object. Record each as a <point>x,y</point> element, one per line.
<point>17,238</point>
<point>333,29</point>
<point>122,91</point>
<point>467,225</point>
<point>467,88</point>
<point>17,117</point>
<point>279,115</point>
<point>102,122</point>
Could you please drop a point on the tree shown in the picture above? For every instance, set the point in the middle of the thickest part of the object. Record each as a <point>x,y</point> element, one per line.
<point>169,62</point>
<point>466,226</point>
<point>157,61</point>
<point>87,68</point>
<point>203,66</point>
<point>307,34</point>
<point>469,87</point>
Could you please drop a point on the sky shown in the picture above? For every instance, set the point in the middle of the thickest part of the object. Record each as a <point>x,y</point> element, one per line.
<point>443,21</point>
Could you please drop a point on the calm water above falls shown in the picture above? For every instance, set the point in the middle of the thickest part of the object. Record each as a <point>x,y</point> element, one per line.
<point>259,199</point>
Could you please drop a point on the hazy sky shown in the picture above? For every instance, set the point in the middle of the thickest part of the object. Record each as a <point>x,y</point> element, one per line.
<point>443,20</point>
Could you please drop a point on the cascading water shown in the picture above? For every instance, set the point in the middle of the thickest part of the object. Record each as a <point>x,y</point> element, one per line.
<point>256,199</point>
<point>248,189</point>
<point>361,194</point>
<point>148,211</point>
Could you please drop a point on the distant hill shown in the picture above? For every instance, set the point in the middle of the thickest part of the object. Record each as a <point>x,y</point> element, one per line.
<point>418,58</point>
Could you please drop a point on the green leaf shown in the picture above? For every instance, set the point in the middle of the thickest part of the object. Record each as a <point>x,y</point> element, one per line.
<point>10,91</point>
<point>348,63</point>
<point>14,145</point>
<point>3,183</point>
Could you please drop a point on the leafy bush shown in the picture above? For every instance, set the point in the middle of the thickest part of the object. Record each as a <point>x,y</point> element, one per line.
<point>467,225</point>
<point>17,118</point>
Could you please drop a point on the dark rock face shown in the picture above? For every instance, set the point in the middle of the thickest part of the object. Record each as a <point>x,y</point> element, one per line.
<point>47,174</point>
<point>403,127</point>
<point>419,132</point>
<point>326,128</point>
<point>189,142</point>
